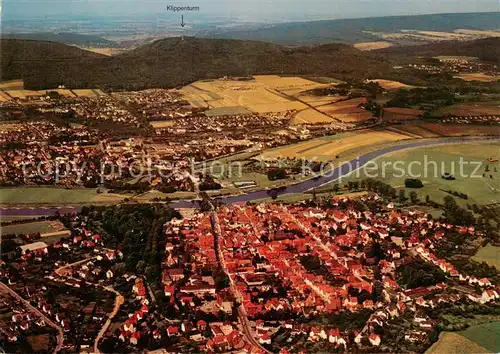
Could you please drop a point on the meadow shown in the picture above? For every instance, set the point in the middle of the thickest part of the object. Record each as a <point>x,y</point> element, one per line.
<point>394,168</point>
<point>33,227</point>
<point>56,196</point>
<point>489,254</point>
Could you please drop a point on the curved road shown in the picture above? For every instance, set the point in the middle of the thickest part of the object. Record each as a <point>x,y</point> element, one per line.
<point>299,187</point>
<point>60,335</point>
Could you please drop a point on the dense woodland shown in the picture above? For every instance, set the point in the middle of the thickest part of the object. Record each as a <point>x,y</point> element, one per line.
<point>173,62</point>
<point>137,230</point>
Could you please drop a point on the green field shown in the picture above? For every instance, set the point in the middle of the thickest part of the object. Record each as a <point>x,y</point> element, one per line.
<point>47,195</point>
<point>489,254</point>
<point>480,338</point>
<point>32,227</point>
<point>420,164</point>
<point>486,335</point>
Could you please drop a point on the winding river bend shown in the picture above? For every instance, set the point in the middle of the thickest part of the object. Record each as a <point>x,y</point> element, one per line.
<point>299,187</point>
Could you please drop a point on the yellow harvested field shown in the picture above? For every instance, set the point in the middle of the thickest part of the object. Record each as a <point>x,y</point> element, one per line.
<point>323,150</point>
<point>278,82</point>
<point>266,78</point>
<point>478,32</point>
<point>363,139</point>
<point>276,107</point>
<point>320,100</point>
<point>373,45</point>
<point>455,343</point>
<point>162,124</point>
<point>265,93</point>
<point>106,51</point>
<point>84,93</point>
<point>22,94</point>
<point>310,116</point>
<point>4,97</point>
<point>12,85</point>
<point>477,77</point>
<point>390,85</point>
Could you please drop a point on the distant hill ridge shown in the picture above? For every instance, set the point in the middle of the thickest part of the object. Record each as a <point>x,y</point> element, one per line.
<point>487,49</point>
<point>66,38</point>
<point>356,30</point>
<point>173,62</point>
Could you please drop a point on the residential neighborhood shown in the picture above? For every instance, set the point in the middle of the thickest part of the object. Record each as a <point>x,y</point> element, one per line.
<point>352,275</point>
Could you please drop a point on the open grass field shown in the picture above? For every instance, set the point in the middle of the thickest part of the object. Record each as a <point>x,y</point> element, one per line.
<point>478,109</point>
<point>390,85</point>
<point>327,148</point>
<point>455,343</point>
<point>10,218</point>
<point>428,164</point>
<point>33,227</point>
<point>486,335</point>
<point>477,77</point>
<point>56,196</point>
<point>489,254</point>
<point>373,45</point>
<point>265,93</point>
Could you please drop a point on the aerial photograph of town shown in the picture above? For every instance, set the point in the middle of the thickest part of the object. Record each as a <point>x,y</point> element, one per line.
<point>237,177</point>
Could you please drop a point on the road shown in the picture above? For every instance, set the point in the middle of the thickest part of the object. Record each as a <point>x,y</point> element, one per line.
<point>119,300</point>
<point>297,188</point>
<point>242,314</point>
<point>60,335</point>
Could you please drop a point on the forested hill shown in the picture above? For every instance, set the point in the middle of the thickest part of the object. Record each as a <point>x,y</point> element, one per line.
<point>177,61</point>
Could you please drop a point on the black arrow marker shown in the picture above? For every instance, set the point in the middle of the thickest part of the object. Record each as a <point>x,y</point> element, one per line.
<point>182,21</point>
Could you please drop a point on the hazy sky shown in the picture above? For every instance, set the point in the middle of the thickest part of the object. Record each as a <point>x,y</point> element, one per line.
<point>260,9</point>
